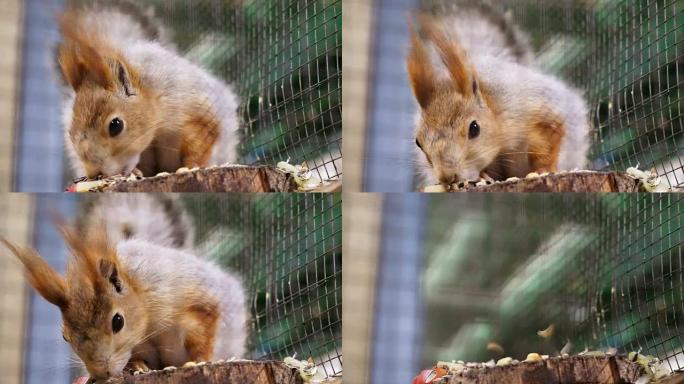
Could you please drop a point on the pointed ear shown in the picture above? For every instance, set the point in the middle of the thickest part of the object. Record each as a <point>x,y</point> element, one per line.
<point>41,276</point>
<point>127,81</point>
<point>79,55</point>
<point>109,271</point>
<point>420,71</point>
<point>454,58</point>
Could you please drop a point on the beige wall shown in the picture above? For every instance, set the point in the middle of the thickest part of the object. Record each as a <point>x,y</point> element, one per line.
<point>15,224</point>
<point>361,216</point>
<point>356,26</point>
<point>10,33</point>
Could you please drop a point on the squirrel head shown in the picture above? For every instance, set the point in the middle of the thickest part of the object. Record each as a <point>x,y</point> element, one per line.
<point>102,310</point>
<point>458,132</point>
<point>113,119</point>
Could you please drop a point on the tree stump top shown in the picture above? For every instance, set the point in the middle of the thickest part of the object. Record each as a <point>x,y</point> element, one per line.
<point>234,372</point>
<point>556,370</point>
<point>229,178</point>
<point>580,181</point>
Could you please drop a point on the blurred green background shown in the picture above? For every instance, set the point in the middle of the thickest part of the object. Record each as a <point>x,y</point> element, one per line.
<point>605,270</point>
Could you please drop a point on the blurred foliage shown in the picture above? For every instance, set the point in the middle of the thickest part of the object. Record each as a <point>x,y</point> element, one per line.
<point>284,60</point>
<point>606,270</point>
<point>287,248</point>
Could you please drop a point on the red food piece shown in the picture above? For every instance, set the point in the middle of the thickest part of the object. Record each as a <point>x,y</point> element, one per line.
<point>429,375</point>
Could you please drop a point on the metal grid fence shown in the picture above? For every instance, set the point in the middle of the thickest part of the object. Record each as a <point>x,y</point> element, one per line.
<point>626,56</point>
<point>288,250</point>
<point>282,58</point>
<point>605,270</point>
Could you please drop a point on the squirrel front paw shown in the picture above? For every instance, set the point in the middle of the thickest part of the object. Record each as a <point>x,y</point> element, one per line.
<point>138,366</point>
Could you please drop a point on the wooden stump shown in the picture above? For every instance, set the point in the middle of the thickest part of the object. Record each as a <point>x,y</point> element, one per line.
<point>583,181</point>
<point>237,372</point>
<point>235,178</point>
<point>557,370</point>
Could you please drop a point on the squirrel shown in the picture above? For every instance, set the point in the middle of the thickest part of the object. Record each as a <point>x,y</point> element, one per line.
<point>133,303</point>
<point>486,110</point>
<point>131,101</point>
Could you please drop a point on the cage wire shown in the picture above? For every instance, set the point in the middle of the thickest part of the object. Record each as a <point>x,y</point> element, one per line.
<point>283,59</point>
<point>604,270</point>
<point>627,57</point>
<point>287,249</point>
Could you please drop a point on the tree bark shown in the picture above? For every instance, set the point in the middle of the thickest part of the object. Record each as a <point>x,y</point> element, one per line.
<point>238,178</point>
<point>565,182</point>
<point>237,372</point>
<point>557,370</point>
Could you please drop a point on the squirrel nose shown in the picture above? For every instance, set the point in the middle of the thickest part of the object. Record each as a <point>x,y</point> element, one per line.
<point>447,179</point>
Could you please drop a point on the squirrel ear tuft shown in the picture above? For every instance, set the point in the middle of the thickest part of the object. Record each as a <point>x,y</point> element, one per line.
<point>454,58</point>
<point>79,55</point>
<point>40,275</point>
<point>420,71</point>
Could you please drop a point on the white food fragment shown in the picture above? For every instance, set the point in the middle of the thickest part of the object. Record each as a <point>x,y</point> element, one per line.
<point>162,174</point>
<point>532,175</point>
<point>512,179</point>
<point>183,170</point>
<point>169,369</point>
<point>307,370</point>
<point>482,183</point>
<point>504,361</point>
<point>87,186</point>
<point>435,189</point>
<point>303,177</point>
<point>189,364</point>
<point>533,357</point>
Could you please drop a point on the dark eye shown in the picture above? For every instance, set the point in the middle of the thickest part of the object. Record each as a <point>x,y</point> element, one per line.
<point>474,130</point>
<point>117,323</point>
<point>115,127</point>
<point>418,144</point>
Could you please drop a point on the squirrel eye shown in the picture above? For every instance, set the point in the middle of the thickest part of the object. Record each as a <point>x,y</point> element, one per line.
<point>64,337</point>
<point>117,323</point>
<point>116,126</point>
<point>474,130</point>
<point>418,144</point>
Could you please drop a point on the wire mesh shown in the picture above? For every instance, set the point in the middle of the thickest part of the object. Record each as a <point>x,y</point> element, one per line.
<point>282,59</point>
<point>604,270</point>
<point>287,248</point>
<point>625,56</point>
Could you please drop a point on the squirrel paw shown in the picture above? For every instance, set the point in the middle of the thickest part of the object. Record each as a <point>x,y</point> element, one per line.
<point>484,176</point>
<point>138,367</point>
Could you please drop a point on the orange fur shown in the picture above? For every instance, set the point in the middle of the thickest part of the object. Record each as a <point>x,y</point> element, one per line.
<point>545,138</point>
<point>200,132</point>
<point>200,321</point>
<point>420,70</point>
<point>454,58</point>
<point>40,275</point>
